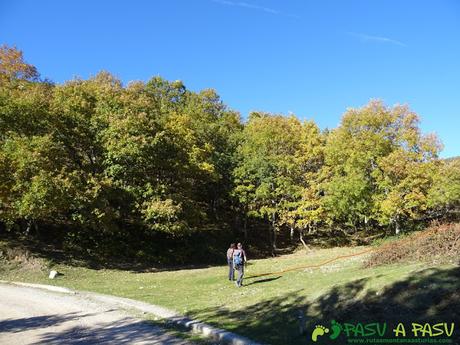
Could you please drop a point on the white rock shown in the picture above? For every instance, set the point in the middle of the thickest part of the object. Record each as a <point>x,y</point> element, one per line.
<point>53,274</point>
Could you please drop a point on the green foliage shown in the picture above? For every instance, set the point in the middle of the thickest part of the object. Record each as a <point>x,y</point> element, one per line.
<point>379,167</point>
<point>278,158</point>
<point>96,155</point>
<point>444,192</point>
<point>100,159</point>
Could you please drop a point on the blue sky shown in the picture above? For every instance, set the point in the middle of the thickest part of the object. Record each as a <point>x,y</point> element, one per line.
<point>312,58</point>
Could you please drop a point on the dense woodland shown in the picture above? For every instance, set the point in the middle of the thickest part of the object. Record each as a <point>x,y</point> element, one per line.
<point>152,170</point>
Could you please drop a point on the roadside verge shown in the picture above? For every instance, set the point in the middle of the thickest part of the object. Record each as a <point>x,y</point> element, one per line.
<point>218,335</point>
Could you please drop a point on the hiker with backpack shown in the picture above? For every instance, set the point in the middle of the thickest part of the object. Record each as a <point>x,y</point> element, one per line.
<point>239,259</point>
<point>231,269</point>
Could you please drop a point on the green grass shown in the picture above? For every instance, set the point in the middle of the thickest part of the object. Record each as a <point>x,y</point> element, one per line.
<point>267,308</point>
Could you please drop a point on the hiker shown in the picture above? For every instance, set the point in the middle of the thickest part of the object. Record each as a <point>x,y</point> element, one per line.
<point>231,270</point>
<point>239,259</point>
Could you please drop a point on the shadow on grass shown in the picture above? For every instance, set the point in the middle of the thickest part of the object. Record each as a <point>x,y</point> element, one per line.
<point>432,295</point>
<point>265,280</point>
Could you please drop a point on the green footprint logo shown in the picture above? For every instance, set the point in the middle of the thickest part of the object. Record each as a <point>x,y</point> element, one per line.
<point>318,331</point>
<point>336,329</point>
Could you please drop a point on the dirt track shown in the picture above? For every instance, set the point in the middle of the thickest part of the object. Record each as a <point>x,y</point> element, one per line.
<point>33,316</point>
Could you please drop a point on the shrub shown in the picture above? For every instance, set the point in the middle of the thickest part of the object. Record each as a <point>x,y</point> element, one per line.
<point>437,244</point>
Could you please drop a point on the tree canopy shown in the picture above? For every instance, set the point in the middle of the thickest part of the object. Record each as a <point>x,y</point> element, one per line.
<point>110,159</point>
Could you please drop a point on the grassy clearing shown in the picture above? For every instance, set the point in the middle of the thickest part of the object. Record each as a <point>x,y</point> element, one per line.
<point>267,308</point>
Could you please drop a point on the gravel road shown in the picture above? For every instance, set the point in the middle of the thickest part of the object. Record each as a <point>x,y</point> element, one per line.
<point>33,316</point>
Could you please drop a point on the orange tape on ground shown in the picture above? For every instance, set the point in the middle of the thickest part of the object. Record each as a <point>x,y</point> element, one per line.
<point>340,257</point>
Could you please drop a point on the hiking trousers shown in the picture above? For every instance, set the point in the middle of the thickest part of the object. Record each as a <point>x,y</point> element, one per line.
<point>231,270</point>
<point>240,269</point>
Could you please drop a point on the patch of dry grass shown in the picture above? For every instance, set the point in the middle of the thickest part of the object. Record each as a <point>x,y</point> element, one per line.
<point>21,258</point>
<point>437,244</point>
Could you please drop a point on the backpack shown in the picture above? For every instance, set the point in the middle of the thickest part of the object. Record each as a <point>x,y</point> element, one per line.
<point>238,258</point>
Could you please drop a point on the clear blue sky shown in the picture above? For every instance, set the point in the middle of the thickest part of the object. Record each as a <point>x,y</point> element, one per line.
<point>312,58</point>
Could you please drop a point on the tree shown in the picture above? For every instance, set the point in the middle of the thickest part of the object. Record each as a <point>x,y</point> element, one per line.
<point>305,210</point>
<point>444,191</point>
<point>13,67</point>
<point>372,160</point>
<point>268,177</point>
<point>171,150</point>
<point>31,187</point>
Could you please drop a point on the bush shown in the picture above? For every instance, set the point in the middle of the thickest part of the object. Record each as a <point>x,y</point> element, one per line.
<point>437,244</point>
<point>19,257</point>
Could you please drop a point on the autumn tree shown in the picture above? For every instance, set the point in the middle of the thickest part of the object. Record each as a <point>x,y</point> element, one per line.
<point>308,213</point>
<point>378,167</point>
<point>106,162</point>
<point>444,191</point>
<point>268,178</point>
<point>13,68</point>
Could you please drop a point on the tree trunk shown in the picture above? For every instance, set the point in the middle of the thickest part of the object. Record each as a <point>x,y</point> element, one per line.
<point>37,231</point>
<point>28,227</point>
<point>245,227</point>
<point>302,240</point>
<point>274,234</point>
<point>397,229</point>
<point>291,234</point>
<point>270,237</point>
